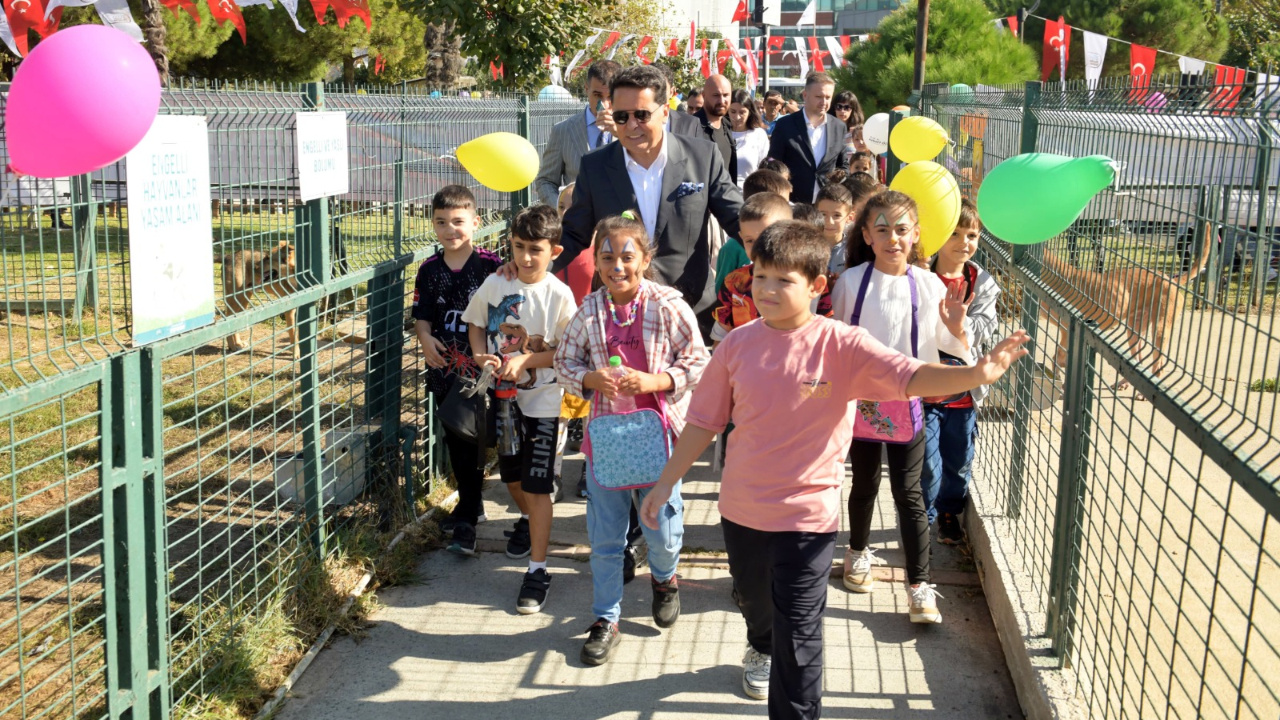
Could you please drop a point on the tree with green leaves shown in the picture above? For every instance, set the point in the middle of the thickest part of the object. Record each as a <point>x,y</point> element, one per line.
<point>517,34</point>
<point>964,47</point>
<point>1185,27</point>
<point>1255,34</point>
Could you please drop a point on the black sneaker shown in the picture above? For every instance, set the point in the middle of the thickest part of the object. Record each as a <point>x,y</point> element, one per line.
<point>464,540</point>
<point>574,443</point>
<point>533,592</point>
<point>666,602</point>
<point>628,564</point>
<point>949,530</point>
<point>602,638</point>
<point>518,542</point>
<point>448,524</point>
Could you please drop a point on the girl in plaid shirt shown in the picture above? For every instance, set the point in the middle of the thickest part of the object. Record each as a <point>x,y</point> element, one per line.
<point>653,330</point>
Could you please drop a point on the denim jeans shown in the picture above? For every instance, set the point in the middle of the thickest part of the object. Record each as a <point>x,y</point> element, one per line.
<point>608,512</point>
<point>950,436</point>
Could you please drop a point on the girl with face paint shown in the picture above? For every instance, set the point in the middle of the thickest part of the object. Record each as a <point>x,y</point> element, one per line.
<point>654,331</point>
<point>913,312</point>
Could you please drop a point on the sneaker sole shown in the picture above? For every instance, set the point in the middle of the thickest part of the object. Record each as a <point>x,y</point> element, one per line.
<point>526,610</point>
<point>597,662</point>
<point>934,618</point>
<point>852,586</point>
<point>525,554</point>
<point>753,693</point>
<point>459,550</point>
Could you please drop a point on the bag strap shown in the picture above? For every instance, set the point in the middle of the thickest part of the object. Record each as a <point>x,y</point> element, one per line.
<point>915,306</point>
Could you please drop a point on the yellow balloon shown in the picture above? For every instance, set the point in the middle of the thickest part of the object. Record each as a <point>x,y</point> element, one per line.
<point>938,198</point>
<point>500,161</point>
<point>917,138</point>
<point>673,102</point>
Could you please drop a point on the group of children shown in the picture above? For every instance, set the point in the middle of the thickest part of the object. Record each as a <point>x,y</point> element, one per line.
<point>820,306</point>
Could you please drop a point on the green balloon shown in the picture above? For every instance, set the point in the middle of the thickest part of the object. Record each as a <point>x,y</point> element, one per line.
<point>1030,198</point>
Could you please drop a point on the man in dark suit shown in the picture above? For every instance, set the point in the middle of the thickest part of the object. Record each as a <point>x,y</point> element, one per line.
<point>714,116</point>
<point>675,183</point>
<point>810,142</point>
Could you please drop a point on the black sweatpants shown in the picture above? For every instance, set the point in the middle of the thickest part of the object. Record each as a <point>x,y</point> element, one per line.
<point>780,585</point>
<point>905,465</point>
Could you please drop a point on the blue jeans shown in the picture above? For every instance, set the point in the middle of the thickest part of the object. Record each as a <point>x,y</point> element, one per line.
<point>608,512</point>
<point>950,436</point>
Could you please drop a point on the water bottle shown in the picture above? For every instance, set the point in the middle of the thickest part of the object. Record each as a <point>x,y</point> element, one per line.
<point>621,403</point>
<point>508,425</point>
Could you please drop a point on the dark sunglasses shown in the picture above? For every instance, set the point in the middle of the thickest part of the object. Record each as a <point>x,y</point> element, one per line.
<point>842,106</point>
<point>620,117</point>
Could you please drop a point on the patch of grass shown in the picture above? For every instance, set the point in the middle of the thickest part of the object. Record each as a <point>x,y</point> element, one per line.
<point>1266,385</point>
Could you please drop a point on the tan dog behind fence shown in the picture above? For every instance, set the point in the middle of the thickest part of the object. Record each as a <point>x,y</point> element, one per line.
<point>271,271</point>
<point>1143,301</point>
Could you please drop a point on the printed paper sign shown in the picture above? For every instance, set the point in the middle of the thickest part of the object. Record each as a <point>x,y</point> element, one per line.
<point>322,155</point>
<point>170,229</point>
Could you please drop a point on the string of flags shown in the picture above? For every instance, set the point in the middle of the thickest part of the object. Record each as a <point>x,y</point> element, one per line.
<point>44,16</point>
<point>1228,82</point>
<point>715,55</point>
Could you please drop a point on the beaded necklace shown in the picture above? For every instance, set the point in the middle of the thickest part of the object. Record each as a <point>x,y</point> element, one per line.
<point>632,307</point>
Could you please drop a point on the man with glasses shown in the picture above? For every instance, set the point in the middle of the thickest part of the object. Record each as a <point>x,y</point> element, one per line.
<point>674,182</point>
<point>810,143</point>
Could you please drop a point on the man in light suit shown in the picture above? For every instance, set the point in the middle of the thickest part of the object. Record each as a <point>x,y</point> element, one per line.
<point>675,182</point>
<point>811,142</point>
<point>577,135</point>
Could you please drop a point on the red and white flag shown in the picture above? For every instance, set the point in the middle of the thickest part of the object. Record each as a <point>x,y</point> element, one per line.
<point>673,50</point>
<point>188,5</point>
<point>1228,82</point>
<point>741,14</point>
<point>1142,62</point>
<point>640,53</point>
<point>693,38</point>
<point>1057,48</point>
<point>1012,20</point>
<point>344,10</point>
<point>27,15</point>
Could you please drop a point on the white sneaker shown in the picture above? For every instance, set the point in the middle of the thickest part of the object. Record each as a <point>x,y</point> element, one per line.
<point>755,674</point>
<point>857,570</point>
<point>924,607</point>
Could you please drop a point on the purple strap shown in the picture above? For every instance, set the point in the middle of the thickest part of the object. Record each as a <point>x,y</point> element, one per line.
<point>915,306</point>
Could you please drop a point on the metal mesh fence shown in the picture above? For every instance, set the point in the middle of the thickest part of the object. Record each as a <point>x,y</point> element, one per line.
<point>1130,467</point>
<point>160,505</point>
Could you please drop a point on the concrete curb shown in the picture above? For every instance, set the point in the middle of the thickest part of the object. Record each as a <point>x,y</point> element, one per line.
<point>1043,688</point>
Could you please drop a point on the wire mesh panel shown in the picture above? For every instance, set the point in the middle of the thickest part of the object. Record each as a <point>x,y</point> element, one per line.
<point>1129,467</point>
<point>53,625</point>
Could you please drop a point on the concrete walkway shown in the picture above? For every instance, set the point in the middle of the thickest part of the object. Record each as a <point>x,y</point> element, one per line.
<point>454,647</point>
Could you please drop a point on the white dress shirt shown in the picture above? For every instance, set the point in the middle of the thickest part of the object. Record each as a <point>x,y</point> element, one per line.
<point>817,143</point>
<point>647,184</point>
<point>594,133</point>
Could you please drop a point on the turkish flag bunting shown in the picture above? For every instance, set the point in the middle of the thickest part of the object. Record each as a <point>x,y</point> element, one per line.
<point>1013,23</point>
<point>1057,47</point>
<point>722,59</point>
<point>23,16</point>
<point>379,64</point>
<point>706,60</point>
<point>816,54</point>
<point>693,38</point>
<point>741,14</point>
<point>1229,81</point>
<point>1142,62</point>
<point>775,44</point>
<point>640,53</point>
<point>344,10</point>
<point>227,11</point>
<point>613,38</point>
<point>188,5</point>
<point>844,43</point>
<point>674,49</point>
<point>495,71</point>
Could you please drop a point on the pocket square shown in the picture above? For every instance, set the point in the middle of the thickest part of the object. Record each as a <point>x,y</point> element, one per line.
<point>689,188</point>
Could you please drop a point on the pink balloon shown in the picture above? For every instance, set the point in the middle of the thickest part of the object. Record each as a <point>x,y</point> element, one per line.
<point>81,100</point>
<point>1156,102</point>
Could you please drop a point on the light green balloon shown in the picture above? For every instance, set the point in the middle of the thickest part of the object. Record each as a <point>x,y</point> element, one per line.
<point>1030,198</point>
<point>961,94</point>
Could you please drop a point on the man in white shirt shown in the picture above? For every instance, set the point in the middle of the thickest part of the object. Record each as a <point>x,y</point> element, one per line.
<point>577,135</point>
<point>810,143</point>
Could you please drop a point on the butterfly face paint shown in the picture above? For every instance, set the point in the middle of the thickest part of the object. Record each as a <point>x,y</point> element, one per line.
<point>880,220</point>
<point>621,266</point>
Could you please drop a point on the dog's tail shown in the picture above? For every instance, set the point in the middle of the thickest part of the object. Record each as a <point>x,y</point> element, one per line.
<point>1201,262</point>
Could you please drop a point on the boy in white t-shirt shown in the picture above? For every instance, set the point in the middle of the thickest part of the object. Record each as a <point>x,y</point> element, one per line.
<point>515,326</point>
<point>780,491</point>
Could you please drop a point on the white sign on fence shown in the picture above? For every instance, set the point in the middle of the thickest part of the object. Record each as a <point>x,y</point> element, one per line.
<point>322,155</point>
<point>170,229</point>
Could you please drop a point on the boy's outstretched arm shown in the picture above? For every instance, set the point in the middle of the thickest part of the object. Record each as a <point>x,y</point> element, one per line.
<point>688,449</point>
<point>935,379</point>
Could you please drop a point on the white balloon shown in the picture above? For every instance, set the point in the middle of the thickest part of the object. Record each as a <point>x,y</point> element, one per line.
<point>875,133</point>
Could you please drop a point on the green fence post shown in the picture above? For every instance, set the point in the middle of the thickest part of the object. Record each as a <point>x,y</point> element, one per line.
<point>157,539</point>
<point>386,352</point>
<point>133,563</point>
<point>397,230</point>
<point>894,164</point>
<point>1024,372</point>
<point>311,229</point>
<point>1263,181</point>
<point>1073,464</point>
<point>521,198</point>
<point>84,215</point>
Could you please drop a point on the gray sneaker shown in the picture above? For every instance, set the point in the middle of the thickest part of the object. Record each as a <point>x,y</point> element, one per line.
<point>756,667</point>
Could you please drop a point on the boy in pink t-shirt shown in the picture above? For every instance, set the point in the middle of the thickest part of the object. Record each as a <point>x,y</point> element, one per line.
<point>787,381</point>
